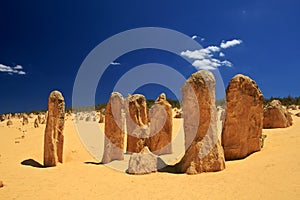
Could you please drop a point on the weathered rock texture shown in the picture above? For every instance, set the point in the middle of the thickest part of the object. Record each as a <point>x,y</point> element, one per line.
<point>136,123</point>
<point>114,129</point>
<point>54,138</point>
<point>160,141</point>
<point>276,116</point>
<point>144,162</point>
<point>204,152</point>
<point>243,125</point>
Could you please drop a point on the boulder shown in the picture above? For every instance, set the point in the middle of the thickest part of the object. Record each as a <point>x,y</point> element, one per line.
<point>1,184</point>
<point>276,116</point>
<point>136,122</point>
<point>54,138</point>
<point>242,129</point>
<point>114,129</point>
<point>144,162</point>
<point>204,152</point>
<point>160,140</point>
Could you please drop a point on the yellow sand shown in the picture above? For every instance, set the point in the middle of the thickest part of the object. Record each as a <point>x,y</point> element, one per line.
<point>273,173</point>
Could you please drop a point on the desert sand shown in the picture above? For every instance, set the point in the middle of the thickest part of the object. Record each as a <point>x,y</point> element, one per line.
<point>272,173</point>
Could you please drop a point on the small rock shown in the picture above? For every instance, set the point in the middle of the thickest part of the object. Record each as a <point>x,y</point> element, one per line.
<point>1,184</point>
<point>298,114</point>
<point>144,162</point>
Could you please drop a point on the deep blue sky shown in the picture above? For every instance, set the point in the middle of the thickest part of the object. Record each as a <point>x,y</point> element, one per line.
<point>50,40</point>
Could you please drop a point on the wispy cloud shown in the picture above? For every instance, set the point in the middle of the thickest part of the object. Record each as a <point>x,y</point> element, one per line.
<point>230,43</point>
<point>115,63</point>
<point>194,37</point>
<point>18,69</point>
<point>204,58</point>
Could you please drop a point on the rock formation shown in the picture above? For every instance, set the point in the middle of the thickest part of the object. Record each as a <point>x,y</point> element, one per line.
<point>136,122</point>
<point>25,119</point>
<point>276,116</point>
<point>2,118</point>
<point>9,123</point>
<point>160,141</point>
<point>144,162</point>
<point>54,138</point>
<point>242,130</point>
<point>101,118</point>
<point>298,114</point>
<point>36,123</point>
<point>204,152</point>
<point>114,129</point>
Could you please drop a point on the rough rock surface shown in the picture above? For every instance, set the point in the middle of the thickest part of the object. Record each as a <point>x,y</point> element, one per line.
<point>136,122</point>
<point>160,141</point>
<point>243,125</point>
<point>144,162</point>
<point>204,152</point>
<point>276,116</point>
<point>54,138</point>
<point>114,129</point>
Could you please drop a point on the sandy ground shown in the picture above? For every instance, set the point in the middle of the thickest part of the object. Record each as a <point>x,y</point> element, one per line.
<point>273,173</point>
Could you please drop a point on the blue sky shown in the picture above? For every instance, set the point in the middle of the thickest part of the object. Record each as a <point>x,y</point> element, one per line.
<point>43,43</point>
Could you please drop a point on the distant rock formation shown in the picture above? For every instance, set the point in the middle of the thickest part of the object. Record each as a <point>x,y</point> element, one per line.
<point>25,119</point>
<point>36,123</point>
<point>204,152</point>
<point>2,118</point>
<point>101,118</point>
<point>136,122</point>
<point>144,162</point>
<point>160,141</point>
<point>54,138</point>
<point>276,116</point>
<point>114,129</point>
<point>242,130</point>
<point>9,123</point>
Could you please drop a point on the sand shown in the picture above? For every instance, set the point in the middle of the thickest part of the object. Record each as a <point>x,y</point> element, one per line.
<point>273,173</point>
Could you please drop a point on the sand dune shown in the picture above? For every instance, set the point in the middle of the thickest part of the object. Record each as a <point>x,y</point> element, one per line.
<point>273,173</point>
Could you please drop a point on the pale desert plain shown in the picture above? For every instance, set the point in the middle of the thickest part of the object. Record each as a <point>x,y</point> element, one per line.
<point>272,173</point>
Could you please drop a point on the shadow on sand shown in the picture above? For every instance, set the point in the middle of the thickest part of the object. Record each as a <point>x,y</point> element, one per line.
<point>32,163</point>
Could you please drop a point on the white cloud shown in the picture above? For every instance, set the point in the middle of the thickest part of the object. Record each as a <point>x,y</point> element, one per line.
<point>194,37</point>
<point>18,67</point>
<point>204,58</point>
<point>230,43</point>
<point>115,63</point>
<point>202,39</point>
<point>12,70</point>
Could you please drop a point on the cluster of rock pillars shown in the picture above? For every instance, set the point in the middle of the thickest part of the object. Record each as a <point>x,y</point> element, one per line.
<point>149,132</point>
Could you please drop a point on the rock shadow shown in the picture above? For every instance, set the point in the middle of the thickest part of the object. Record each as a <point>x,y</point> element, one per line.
<point>32,163</point>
